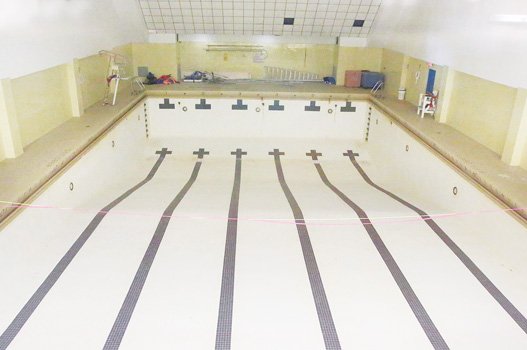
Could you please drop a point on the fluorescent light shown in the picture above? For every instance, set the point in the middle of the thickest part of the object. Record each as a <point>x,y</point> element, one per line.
<point>510,18</point>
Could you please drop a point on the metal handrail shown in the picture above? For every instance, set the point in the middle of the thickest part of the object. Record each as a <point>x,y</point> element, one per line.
<point>377,87</point>
<point>116,56</point>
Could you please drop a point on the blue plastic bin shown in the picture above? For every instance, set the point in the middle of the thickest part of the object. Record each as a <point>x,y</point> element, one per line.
<point>369,79</point>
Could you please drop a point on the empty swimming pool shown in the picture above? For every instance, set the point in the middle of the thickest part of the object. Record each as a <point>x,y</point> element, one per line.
<point>262,224</point>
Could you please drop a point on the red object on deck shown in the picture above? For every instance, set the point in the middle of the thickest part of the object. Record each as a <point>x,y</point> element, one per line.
<point>352,78</point>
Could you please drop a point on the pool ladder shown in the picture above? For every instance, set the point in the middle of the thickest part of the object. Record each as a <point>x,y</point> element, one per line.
<point>377,89</point>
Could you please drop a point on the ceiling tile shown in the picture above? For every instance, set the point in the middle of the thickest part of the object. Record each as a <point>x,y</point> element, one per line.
<point>311,17</point>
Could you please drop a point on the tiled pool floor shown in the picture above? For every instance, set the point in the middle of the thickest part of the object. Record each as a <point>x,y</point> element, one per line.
<point>258,253</point>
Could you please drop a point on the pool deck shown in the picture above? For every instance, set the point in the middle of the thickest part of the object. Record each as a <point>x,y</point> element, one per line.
<point>21,178</point>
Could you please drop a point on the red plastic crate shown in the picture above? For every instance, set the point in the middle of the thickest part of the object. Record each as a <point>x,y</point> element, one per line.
<point>352,78</point>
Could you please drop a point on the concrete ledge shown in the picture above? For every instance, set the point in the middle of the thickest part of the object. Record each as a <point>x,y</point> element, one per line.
<point>506,183</point>
<point>42,160</point>
<point>22,177</point>
<point>259,91</point>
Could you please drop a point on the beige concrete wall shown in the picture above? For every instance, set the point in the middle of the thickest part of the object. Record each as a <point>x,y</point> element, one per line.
<point>311,58</point>
<point>357,58</point>
<point>523,163</point>
<point>92,74</point>
<point>302,57</point>
<point>127,51</point>
<point>415,86</point>
<point>93,71</point>
<point>10,140</point>
<point>42,102</point>
<point>128,69</point>
<point>392,67</point>
<point>2,152</point>
<point>481,110</point>
<point>159,58</point>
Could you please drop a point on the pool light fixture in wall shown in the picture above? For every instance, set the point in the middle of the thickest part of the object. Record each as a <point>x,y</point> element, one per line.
<point>510,18</point>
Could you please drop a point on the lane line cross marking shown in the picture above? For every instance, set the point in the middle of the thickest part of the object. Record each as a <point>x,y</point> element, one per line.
<point>276,152</point>
<point>239,153</point>
<point>164,151</point>
<point>314,155</point>
<point>200,153</point>
<point>350,154</point>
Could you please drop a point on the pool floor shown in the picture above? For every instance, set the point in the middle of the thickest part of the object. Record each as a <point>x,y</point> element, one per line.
<point>264,250</point>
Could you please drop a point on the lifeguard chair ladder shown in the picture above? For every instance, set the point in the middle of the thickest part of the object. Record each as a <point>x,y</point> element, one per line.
<point>116,67</point>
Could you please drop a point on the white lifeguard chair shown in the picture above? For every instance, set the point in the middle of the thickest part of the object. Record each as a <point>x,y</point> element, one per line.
<point>117,64</point>
<point>427,104</point>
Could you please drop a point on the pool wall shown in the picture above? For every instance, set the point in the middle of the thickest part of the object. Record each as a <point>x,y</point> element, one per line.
<point>256,118</point>
<point>416,168</point>
<point>110,161</point>
<point>158,122</point>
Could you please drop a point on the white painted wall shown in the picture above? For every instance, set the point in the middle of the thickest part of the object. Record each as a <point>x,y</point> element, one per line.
<point>38,34</point>
<point>462,34</point>
<point>353,42</point>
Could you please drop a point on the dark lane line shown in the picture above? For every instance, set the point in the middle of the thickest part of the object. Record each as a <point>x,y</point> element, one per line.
<point>125,313</point>
<point>329,332</point>
<point>428,326</point>
<point>505,303</point>
<point>27,310</point>
<point>224,327</point>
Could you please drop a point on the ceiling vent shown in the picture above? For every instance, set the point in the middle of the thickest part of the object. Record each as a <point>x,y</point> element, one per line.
<point>358,23</point>
<point>289,21</point>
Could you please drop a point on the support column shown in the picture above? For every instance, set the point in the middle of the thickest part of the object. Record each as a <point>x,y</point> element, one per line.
<point>336,72</point>
<point>516,140</point>
<point>445,94</point>
<point>179,75</point>
<point>404,72</point>
<point>9,131</point>
<point>74,86</point>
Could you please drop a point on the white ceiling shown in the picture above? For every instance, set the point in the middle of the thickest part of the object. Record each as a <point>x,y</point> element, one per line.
<point>261,17</point>
<point>471,36</point>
